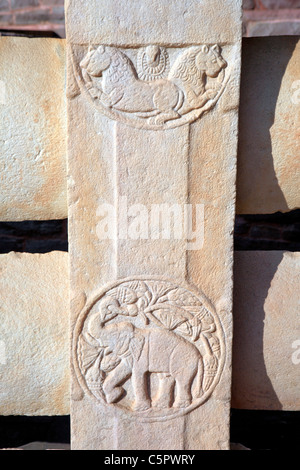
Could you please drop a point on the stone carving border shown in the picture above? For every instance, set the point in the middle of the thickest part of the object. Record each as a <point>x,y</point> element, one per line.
<point>93,301</point>
<point>125,118</point>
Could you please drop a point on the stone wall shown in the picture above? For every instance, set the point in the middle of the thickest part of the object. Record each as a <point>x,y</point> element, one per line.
<point>261,17</point>
<point>38,15</point>
<point>252,232</point>
<point>271,17</point>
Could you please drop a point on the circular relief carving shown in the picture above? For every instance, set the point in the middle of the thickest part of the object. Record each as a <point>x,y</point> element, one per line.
<point>149,347</point>
<point>145,88</point>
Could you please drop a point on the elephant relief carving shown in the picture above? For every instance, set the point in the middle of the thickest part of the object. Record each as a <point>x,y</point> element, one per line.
<point>142,350</point>
<point>153,89</point>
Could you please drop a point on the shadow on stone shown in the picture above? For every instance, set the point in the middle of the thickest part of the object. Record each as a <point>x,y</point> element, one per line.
<point>265,61</point>
<point>251,387</point>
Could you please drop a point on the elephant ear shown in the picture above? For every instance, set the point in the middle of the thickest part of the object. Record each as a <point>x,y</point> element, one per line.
<point>136,346</point>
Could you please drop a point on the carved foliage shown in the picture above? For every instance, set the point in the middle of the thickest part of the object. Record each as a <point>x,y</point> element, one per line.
<point>150,347</point>
<point>146,88</point>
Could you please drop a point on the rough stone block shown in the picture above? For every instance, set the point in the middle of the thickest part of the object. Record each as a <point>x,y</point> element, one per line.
<point>33,129</point>
<point>268,174</point>
<point>266,345</point>
<point>268,177</point>
<point>34,312</point>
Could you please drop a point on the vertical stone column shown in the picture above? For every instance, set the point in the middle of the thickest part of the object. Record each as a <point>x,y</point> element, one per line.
<point>153,91</point>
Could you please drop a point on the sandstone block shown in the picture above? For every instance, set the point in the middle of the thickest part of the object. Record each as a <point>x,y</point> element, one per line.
<point>34,365</point>
<point>268,175</point>
<point>153,113</point>
<point>269,146</point>
<point>266,346</point>
<point>33,129</point>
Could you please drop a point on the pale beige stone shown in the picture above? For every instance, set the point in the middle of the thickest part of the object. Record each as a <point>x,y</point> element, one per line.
<point>268,173</point>
<point>269,142</point>
<point>153,110</point>
<point>33,129</point>
<point>160,19</point>
<point>34,365</point>
<point>266,352</point>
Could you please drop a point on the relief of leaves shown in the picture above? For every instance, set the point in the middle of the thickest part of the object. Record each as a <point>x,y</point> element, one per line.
<point>124,295</point>
<point>160,289</point>
<point>182,297</point>
<point>147,298</point>
<point>191,328</point>
<point>168,320</point>
<point>185,329</point>
<point>139,287</point>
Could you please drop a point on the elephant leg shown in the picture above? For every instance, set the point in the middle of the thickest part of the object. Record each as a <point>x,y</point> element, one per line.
<point>113,392</point>
<point>140,389</point>
<point>165,393</point>
<point>183,394</point>
<point>183,367</point>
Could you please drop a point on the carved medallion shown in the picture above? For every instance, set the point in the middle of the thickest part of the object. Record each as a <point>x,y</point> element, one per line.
<point>149,347</point>
<point>152,87</point>
<point>152,63</point>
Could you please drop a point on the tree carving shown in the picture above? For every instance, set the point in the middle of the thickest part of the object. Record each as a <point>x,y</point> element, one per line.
<point>150,347</point>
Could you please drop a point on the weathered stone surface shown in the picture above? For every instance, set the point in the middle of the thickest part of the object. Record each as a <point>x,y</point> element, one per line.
<point>157,19</point>
<point>264,376</point>
<point>34,312</point>
<point>269,142</point>
<point>33,129</point>
<point>266,352</point>
<point>268,175</point>
<point>153,115</point>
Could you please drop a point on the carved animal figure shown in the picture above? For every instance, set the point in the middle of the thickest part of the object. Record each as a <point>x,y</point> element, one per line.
<point>111,78</point>
<point>129,352</point>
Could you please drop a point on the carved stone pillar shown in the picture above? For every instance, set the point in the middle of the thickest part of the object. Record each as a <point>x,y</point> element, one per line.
<point>153,91</point>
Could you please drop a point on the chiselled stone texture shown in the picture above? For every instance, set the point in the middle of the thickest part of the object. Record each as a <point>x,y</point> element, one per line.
<point>160,317</point>
<point>267,182</point>
<point>33,129</point>
<point>266,352</point>
<point>269,144</point>
<point>34,312</point>
<point>265,313</point>
<point>153,115</point>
